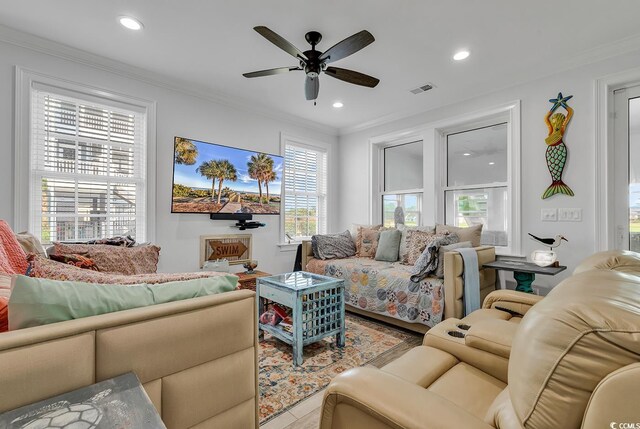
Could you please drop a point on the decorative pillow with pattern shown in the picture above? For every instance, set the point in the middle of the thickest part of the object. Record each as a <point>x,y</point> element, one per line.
<point>76,260</point>
<point>416,242</point>
<point>333,246</point>
<point>115,259</point>
<point>367,241</point>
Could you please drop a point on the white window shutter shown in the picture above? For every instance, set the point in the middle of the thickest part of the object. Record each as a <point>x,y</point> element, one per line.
<point>305,191</point>
<point>87,168</point>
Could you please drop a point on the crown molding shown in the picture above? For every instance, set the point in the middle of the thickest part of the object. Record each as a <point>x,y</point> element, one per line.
<point>590,56</point>
<point>35,43</point>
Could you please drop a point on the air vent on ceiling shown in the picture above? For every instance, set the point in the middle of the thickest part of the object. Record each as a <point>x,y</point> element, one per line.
<point>424,88</point>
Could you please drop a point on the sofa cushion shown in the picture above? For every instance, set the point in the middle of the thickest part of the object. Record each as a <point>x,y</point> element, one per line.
<point>388,246</point>
<point>472,234</point>
<point>37,302</point>
<point>404,241</point>
<point>333,246</point>
<point>30,243</point>
<point>367,241</point>
<point>471,389</point>
<point>421,365</point>
<point>13,260</point>
<point>586,328</point>
<point>416,243</point>
<point>76,260</point>
<point>614,260</point>
<point>115,259</point>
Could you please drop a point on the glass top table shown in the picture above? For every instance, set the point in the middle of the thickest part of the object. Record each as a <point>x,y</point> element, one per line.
<point>317,308</point>
<point>299,280</point>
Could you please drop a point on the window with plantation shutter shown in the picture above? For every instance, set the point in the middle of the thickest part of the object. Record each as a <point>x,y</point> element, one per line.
<point>305,191</point>
<point>87,167</point>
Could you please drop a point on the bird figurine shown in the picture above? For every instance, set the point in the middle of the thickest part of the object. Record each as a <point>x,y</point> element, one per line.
<point>551,243</point>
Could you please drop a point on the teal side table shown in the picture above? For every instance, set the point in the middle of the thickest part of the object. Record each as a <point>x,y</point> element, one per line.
<point>524,273</point>
<point>317,304</point>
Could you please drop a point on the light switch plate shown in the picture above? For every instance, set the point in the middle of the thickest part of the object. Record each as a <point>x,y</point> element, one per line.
<point>570,215</point>
<point>548,215</point>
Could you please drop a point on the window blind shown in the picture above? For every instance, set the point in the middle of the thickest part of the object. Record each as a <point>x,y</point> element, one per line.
<point>88,170</point>
<point>305,191</point>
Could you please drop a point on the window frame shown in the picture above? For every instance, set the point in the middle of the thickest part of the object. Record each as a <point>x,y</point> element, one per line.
<point>509,114</point>
<point>382,174</point>
<point>26,82</point>
<point>288,140</point>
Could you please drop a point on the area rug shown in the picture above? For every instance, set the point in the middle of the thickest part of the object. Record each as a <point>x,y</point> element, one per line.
<point>282,385</point>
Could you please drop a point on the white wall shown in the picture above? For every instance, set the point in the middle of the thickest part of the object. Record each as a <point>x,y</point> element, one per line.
<point>579,172</point>
<point>177,114</point>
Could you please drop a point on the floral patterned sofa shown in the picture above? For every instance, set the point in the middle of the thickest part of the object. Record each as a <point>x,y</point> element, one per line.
<point>384,290</point>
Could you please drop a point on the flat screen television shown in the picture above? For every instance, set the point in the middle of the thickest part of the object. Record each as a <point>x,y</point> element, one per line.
<point>226,182</point>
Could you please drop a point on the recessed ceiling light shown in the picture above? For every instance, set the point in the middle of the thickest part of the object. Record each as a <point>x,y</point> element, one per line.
<point>338,104</point>
<point>492,163</point>
<point>466,154</point>
<point>130,23</point>
<point>459,56</point>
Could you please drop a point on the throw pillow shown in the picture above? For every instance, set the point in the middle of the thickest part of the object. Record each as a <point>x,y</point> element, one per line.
<point>76,260</point>
<point>30,243</point>
<point>416,242</point>
<point>472,234</point>
<point>115,259</point>
<point>354,231</point>
<point>5,285</point>
<point>388,245</point>
<point>367,242</point>
<point>444,249</point>
<point>4,314</point>
<point>333,246</point>
<point>37,302</point>
<point>427,263</point>
<point>404,241</point>
<point>13,260</point>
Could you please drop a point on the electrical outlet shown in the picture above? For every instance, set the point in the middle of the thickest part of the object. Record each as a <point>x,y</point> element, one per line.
<point>570,215</point>
<point>548,215</point>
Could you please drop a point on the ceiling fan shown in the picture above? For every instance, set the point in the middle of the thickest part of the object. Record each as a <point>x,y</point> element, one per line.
<point>314,62</point>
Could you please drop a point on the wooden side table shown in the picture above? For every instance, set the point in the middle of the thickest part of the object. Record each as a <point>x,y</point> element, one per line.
<point>317,304</point>
<point>248,281</point>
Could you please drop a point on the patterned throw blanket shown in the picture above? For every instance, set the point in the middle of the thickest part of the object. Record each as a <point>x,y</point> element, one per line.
<point>46,268</point>
<point>386,288</point>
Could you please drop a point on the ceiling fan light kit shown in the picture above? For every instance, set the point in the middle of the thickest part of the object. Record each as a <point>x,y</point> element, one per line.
<point>314,62</point>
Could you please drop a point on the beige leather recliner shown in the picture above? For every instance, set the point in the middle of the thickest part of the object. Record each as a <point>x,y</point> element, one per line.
<point>571,360</point>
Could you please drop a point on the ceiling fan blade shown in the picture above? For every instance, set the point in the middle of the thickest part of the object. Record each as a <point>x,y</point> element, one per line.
<point>352,76</point>
<point>270,72</point>
<point>311,87</point>
<point>280,42</point>
<point>348,46</point>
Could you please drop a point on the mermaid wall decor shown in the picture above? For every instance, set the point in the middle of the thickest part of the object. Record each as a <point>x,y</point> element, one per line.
<point>556,153</point>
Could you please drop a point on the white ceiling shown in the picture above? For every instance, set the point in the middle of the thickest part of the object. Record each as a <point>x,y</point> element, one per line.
<point>211,43</point>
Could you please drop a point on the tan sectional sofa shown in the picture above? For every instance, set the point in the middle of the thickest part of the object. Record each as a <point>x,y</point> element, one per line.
<point>197,359</point>
<point>453,290</point>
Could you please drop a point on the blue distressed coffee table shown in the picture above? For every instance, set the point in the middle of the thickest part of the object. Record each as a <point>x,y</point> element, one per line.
<point>317,304</point>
